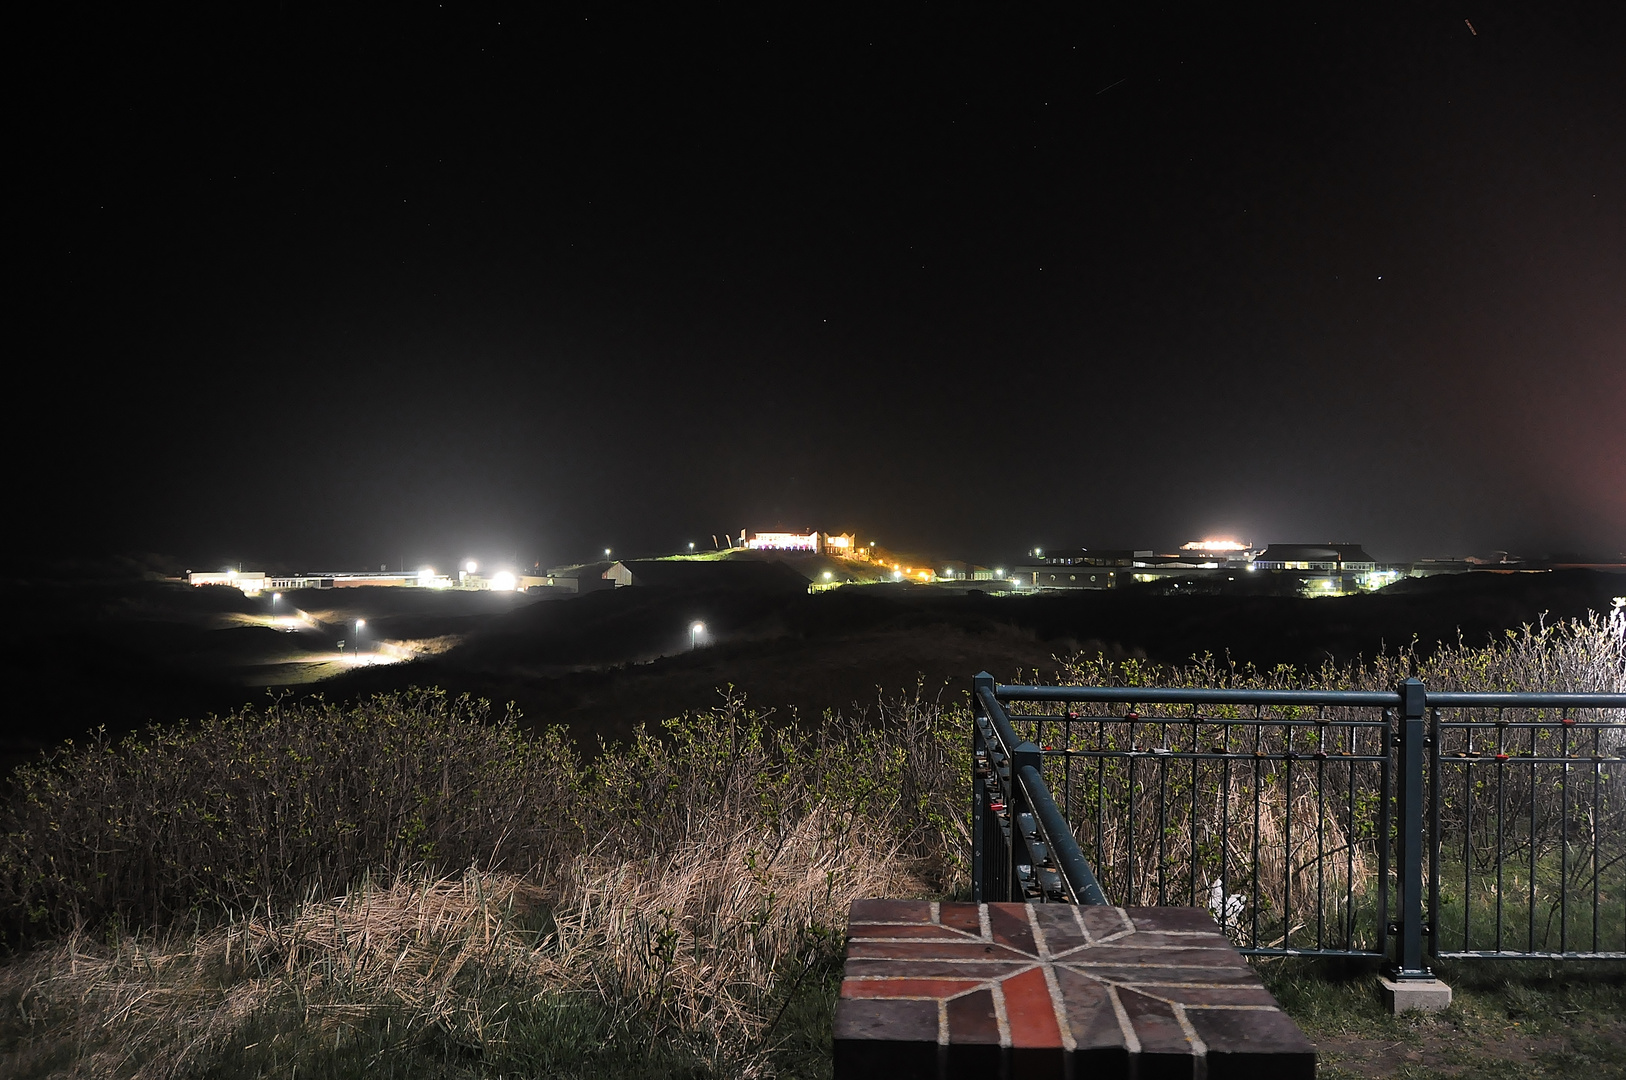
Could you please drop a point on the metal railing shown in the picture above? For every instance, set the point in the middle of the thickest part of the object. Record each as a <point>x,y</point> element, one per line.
<point>1395,823</point>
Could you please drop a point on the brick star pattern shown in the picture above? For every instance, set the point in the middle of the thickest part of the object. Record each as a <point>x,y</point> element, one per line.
<point>1030,991</point>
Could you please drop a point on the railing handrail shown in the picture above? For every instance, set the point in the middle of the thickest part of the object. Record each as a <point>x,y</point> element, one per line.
<point>1182,695</point>
<point>1584,699</point>
<point>997,717</point>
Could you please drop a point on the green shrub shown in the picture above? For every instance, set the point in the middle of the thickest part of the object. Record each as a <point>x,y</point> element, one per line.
<point>268,806</point>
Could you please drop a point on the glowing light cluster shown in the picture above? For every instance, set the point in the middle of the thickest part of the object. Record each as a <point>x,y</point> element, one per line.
<point>783,541</point>
<point>1214,545</point>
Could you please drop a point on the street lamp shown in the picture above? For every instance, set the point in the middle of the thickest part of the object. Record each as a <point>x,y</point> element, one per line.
<point>691,545</point>
<point>695,630</point>
<point>606,553</point>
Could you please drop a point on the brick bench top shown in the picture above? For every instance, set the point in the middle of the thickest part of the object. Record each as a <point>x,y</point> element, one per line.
<point>1025,991</point>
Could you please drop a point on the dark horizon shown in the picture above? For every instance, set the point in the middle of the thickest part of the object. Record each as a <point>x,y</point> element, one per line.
<point>315,289</point>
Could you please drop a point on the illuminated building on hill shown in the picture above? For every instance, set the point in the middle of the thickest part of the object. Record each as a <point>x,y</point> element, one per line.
<point>842,545</point>
<point>1337,558</point>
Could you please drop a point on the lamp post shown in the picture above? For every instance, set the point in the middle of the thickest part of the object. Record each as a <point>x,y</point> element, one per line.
<point>361,624</point>
<point>695,630</point>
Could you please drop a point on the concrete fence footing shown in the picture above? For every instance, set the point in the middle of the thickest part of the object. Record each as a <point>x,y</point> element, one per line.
<point>1414,995</point>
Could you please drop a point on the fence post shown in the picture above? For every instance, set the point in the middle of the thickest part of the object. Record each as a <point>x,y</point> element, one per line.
<point>1409,962</point>
<point>1410,984</point>
<point>979,682</point>
<point>1023,755</point>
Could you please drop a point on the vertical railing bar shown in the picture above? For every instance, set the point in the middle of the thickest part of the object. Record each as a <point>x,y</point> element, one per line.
<point>1287,839</point>
<point>1163,815</point>
<point>1100,800</point>
<point>1597,831</point>
<point>1195,722</point>
<point>1067,764</point>
<point>1564,832</point>
<point>1385,825</point>
<point>1433,848</point>
<point>1467,838</point>
<point>1350,834</point>
<point>977,798</point>
<point>1225,825</point>
<point>1501,809</point>
<point>1531,935</point>
<point>1321,829</point>
<point>1258,734</point>
<point>1132,835</point>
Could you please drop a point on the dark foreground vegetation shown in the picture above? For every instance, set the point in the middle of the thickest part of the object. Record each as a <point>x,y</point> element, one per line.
<point>89,647</point>
<point>410,886</point>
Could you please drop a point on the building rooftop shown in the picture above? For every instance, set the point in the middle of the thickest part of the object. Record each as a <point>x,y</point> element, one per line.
<point>1349,553</point>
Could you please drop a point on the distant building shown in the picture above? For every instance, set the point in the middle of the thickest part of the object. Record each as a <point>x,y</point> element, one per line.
<point>784,541</point>
<point>303,581</point>
<point>1087,557</point>
<point>1325,569</point>
<point>356,581</point>
<point>1062,576</point>
<point>1333,558</point>
<point>252,582</point>
<point>844,545</point>
<point>840,545</point>
<point>578,578</point>
<point>255,582</point>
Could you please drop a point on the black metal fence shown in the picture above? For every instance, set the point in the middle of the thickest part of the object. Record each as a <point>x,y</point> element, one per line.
<point>1315,823</point>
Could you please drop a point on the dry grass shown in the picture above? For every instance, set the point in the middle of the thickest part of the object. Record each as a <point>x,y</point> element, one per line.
<point>179,1004</point>
<point>675,898</point>
<point>687,951</point>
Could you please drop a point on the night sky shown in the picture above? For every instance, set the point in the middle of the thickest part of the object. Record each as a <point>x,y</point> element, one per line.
<point>327,290</point>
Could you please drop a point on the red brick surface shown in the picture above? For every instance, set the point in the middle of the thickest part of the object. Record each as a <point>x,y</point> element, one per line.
<point>1041,990</point>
